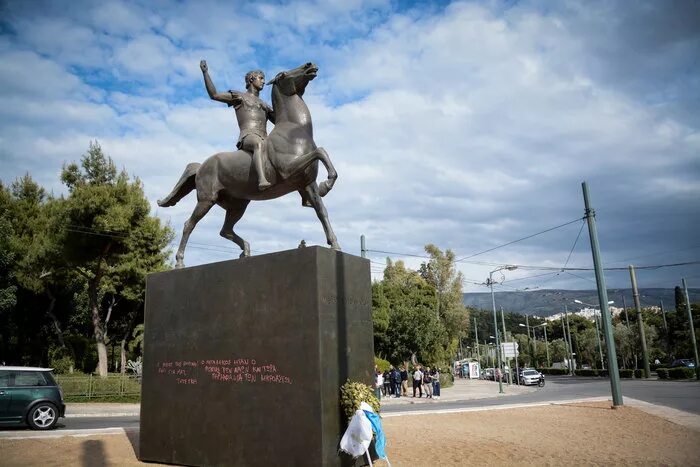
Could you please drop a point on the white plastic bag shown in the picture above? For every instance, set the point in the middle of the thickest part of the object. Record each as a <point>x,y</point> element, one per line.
<point>358,436</point>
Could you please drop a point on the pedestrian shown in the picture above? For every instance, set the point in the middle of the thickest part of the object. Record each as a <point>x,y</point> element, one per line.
<point>404,380</point>
<point>436,383</point>
<point>427,383</point>
<point>418,382</point>
<point>378,384</point>
<point>387,383</point>
<point>396,380</point>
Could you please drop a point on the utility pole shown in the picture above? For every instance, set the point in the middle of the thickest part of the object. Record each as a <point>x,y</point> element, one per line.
<point>476,338</point>
<point>624,307</point>
<point>692,328</point>
<point>363,250</point>
<point>663,315</point>
<point>566,344</point>
<point>503,323</point>
<point>529,342</point>
<point>603,300</point>
<point>600,347</point>
<point>571,343</point>
<point>640,322</point>
<point>546,345</point>
<point>495,330</point>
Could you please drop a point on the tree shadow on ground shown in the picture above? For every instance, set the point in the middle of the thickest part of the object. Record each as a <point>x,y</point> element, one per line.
<point>93,453</point>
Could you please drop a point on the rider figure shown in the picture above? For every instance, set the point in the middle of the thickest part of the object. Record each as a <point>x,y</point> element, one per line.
<point>252,114</point>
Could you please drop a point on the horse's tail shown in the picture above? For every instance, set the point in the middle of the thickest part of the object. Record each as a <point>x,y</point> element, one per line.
<point>183,186</point>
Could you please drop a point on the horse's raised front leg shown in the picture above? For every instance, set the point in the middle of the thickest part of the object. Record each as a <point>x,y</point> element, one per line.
<point>200,210</point>
<point>302,162</point>
<point>312,191</point>
<point>234,212</point>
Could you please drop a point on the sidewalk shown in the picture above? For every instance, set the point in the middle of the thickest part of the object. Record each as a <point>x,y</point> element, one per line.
<point>102,409</point>
<point>462,390</point>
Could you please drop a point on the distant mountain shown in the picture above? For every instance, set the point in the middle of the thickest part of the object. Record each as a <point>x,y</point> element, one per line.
<point>549,302</point>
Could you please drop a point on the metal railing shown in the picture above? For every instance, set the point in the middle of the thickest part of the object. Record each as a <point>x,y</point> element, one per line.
<point>90,386</point>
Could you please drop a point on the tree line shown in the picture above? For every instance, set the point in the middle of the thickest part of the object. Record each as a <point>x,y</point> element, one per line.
<point>73,267</point>
<point>419,317</point>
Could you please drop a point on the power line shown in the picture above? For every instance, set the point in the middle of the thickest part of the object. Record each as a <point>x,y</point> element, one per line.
<point>399,254</point>
<point>519,240</point>
<point>656,254</point>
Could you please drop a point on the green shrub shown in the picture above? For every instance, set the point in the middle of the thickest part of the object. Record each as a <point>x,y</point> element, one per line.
<point>662,373</point>
<point>681,373</point>
<point>381,364</point>
<point>603,373</point>
<point>352,393</point>
<point>638,373</point>
<point>553,371</point>
<point>586,372</point>
<point>447,379</point>
<point>62,365</point>
<point>626,373</point>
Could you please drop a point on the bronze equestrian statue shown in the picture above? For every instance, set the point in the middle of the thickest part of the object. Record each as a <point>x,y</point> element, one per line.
<point>230,179</point>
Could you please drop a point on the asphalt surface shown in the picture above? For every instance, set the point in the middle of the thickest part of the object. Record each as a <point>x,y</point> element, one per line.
<point>680,395</point>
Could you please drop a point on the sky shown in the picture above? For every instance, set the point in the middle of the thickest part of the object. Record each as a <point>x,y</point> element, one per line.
<point>468,125</point>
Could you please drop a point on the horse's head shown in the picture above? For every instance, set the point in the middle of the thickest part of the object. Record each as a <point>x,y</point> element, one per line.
<point>294,81</point>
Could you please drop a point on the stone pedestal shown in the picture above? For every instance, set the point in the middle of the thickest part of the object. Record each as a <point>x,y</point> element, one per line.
<point>244,359</point>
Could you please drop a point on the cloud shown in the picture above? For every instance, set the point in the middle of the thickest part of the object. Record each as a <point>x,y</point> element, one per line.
<point>467,126</point>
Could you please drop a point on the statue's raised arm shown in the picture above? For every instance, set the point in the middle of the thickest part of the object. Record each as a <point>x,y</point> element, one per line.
<point>227,97</point>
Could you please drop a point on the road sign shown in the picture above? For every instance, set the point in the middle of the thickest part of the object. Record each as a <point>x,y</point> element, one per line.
<point>510,349</point>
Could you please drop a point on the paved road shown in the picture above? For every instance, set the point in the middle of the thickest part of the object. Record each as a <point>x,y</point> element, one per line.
<point>681,395</point>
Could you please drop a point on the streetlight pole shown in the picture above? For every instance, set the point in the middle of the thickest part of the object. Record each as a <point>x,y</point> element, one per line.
<point>640,322</point>
<point>495,321</point>
<point>546,344</point>
<point>603,300</point>
<point>476,338</point>
<point>503,323</point>
<point>600,347</point>
<point>566,344</point>
<point>571,343</point>
<point>596,314</point>
<point>495,327</point>
<point>529,342</point>
<point>692,328</point>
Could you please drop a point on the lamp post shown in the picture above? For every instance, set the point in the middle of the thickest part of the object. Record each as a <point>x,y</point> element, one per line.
<point>495,319</point>
<point>597,329</point>
<point>546,344</point>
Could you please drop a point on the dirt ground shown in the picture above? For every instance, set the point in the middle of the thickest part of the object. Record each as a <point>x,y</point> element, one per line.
<point>581,434</point>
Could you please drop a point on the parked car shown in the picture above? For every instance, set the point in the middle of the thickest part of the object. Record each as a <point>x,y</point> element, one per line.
<point>488,373</point>
<point>30,395</point>
<point>531,377</point>
<point>686,362</point>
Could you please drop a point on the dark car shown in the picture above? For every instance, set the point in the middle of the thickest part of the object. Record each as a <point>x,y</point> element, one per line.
<point>30,395</point>
<point>684,362</point>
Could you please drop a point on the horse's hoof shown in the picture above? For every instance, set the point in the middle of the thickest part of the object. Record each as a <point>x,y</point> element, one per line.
<point>179,264</point>
<point>335,246</point>
<point>324,188</point>
<point>262,186</point>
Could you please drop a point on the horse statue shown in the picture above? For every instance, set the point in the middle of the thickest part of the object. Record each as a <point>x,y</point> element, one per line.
<point>229,179</point>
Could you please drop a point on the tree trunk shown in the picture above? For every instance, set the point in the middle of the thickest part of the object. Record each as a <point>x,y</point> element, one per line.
<point>57,326</point>
<point>127,333</point>
<point>102,369</point>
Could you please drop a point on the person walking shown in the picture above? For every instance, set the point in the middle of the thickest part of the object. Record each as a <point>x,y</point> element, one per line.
<point>418,382</point>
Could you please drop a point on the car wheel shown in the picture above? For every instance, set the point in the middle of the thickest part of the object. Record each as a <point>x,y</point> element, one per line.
<point>43,416</point>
